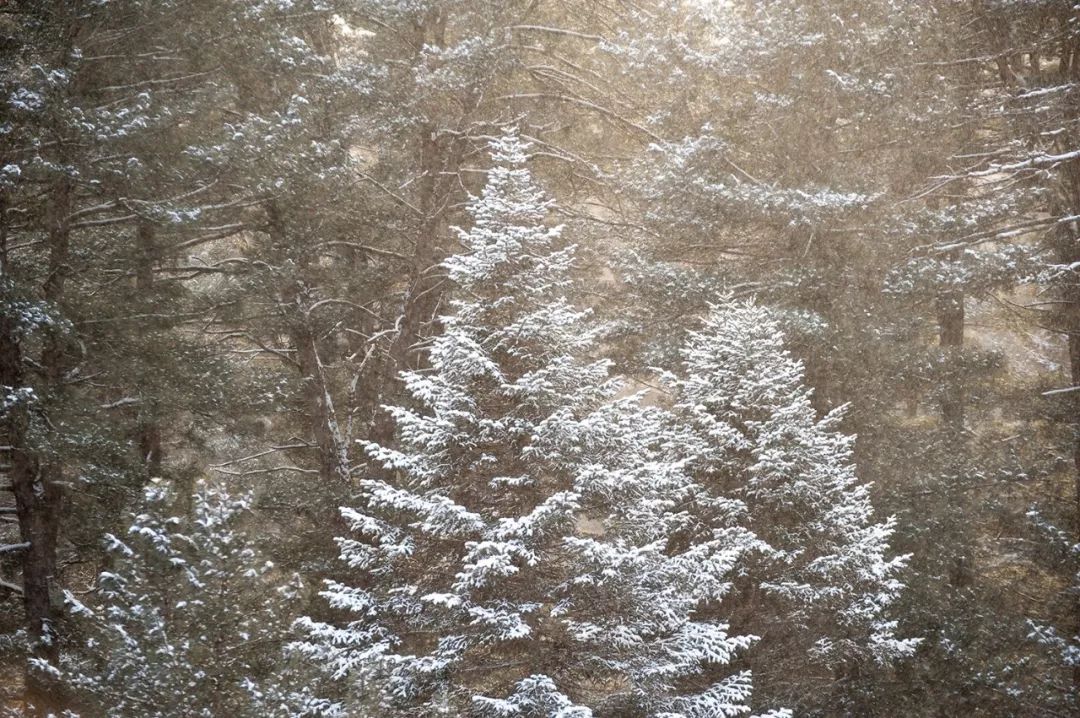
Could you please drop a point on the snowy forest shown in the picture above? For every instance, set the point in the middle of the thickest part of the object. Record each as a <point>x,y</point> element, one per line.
<point>539,358</point>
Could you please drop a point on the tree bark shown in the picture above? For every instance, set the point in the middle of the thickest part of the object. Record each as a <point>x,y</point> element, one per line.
<point>35,480</point>
<point>950,308</point>
<point>1074,365</point>
<point>422,297</point>
<point>149,431</point>
<point>1068,321</point>
<point>317,400</point>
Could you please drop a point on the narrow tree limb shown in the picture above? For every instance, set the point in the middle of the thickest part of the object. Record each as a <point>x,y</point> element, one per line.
<point>13,547</point>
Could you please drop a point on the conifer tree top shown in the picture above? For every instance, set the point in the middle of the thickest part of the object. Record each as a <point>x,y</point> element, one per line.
<point>517,552</point>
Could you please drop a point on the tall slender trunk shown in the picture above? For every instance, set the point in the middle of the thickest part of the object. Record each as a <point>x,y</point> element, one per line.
<point>1067,240</point>
<point>36,480</point>
<point>317,399</point>
<point>149,431</point>
<point>422,296</point>
<point>1073,325</point>
<point>1068,321</point>
<point>953,395</point>
<point>950,309</point>
<point>35,475</point>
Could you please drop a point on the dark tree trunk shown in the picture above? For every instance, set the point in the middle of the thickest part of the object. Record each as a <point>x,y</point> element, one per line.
<point>37,506</point>
<point>149,431</point>
<point>424,293</point>
<point>1068,320</point>
<point>317,400</point>
<point>36,480</point>
<point>146,254</point>
<point>950,307</point>
<point>1068,252</point>
<point>1074,365</point>
<point>422,297</point>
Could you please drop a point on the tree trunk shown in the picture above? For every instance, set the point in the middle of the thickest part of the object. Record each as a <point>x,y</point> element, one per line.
<point>421,300</point>
<point>950,307</point>
<point>37,505</point>
<point>317,401</point>
<point>36,481</point>
<point>149,432</point>
<point>1068,320</point>
<point>333,459</point>
<point>423,295</point>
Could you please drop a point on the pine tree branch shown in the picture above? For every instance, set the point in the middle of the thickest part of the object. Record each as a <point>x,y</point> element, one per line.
<point>14,547</point>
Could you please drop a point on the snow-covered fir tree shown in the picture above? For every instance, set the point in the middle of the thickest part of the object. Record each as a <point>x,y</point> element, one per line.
<point>516,557</point>
<point>186,622</point>
<point>819,588</point>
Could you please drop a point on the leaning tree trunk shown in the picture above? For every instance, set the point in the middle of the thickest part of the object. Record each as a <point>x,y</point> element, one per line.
<point>440,159</point>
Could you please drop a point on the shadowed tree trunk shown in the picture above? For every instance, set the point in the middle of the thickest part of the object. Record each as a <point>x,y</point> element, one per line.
<point>149,432</point>
<point>950,307</point>
<point>35,479</point>
<point>1068,322</point>
<point>317,401</point>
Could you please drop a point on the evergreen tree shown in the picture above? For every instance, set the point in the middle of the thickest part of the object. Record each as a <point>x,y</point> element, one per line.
<point>95,115</point>
<point>266,191</point>
<point>186,622</point>
<point>1029,98</point>
<point>515,557</point>
<point>796,168</point>
<point>820,584</point>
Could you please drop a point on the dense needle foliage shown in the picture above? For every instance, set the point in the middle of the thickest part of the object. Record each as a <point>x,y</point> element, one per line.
<point>530,358</point>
